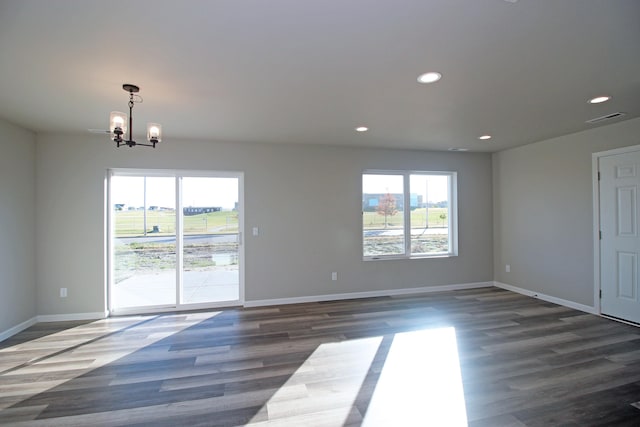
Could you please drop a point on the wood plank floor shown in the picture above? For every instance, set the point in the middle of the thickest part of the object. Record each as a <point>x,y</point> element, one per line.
<point>484,357</point>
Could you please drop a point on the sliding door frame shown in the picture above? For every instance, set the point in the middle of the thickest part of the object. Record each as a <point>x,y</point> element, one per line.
<point>177,174</point>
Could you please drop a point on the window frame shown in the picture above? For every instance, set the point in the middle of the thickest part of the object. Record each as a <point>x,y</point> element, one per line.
<point>452,217</point>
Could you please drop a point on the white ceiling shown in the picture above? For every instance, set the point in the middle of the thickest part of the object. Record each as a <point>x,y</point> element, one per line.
<point>303,71</point>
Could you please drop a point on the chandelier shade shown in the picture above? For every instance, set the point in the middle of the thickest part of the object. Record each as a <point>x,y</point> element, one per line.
<point>154,131</point>
<point>118,120</point>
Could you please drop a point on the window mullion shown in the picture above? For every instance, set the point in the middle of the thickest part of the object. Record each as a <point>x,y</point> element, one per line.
<point>111,224</point>
<point>406,195</point>
<point>453,213</point>
<point>179,241</point>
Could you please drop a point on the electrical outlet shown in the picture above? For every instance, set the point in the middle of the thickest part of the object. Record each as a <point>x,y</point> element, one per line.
<point>256,231</point>
<point>63,292</point>
<point>507,268</point>
<point>334,275</point>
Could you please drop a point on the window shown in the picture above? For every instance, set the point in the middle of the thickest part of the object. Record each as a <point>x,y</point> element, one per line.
<point>408,214</point>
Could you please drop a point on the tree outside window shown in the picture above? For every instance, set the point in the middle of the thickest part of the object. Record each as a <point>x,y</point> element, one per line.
<point>387,207</point>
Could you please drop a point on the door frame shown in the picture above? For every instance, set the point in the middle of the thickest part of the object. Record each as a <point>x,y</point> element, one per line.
<point>109,227</point>
<point>595,178</point>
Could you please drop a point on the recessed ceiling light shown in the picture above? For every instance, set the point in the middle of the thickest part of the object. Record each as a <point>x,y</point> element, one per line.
<point>362,129</point>
<point>458,149</point>
<point>599,99</point>
<point>484,137</point>
<point>429,77</point>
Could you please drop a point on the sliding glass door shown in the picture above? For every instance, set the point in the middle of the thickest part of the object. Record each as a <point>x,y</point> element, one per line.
<point>210,239</point>
<point>174,240</point>
<point>144,241</point>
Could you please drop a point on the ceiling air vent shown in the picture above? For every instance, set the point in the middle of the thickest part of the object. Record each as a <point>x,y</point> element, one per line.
<point>605,118</point>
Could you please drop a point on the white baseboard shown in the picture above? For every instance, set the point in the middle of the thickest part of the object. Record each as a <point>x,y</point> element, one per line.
<point>369,294</point>
<point>318,298</point>
<point>548,298</point>
<point>72,316</point>
<point>18,328</point>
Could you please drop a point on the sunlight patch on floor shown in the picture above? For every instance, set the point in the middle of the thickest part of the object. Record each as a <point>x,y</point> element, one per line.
<point>65,353</point>
<point>334,372</point>
<point>420,383</point>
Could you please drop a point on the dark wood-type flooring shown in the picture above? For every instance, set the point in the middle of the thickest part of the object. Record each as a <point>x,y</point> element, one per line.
<point>483,357</point>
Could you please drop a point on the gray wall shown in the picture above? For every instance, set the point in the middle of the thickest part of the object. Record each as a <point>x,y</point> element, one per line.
<point>17,226</point>
<point>305,199</point>
<point>543,212</point>
<point>541,216</point>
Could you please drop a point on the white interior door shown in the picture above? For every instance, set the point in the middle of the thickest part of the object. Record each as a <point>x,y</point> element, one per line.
<point>620,243</point>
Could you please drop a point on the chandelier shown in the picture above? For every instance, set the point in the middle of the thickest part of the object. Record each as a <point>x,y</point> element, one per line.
<point>118,123</point>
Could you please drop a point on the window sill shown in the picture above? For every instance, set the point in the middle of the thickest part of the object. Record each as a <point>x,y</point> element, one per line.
<point>403,257</point>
